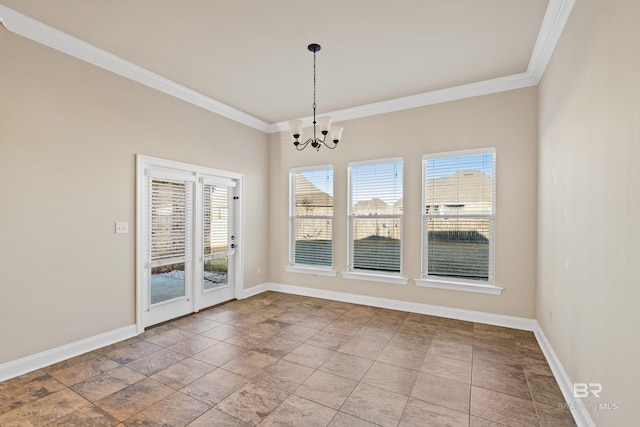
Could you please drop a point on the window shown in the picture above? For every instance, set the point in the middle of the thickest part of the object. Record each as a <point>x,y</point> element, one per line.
<point>375,217</point>
<point>458,217</point>
<point>311,217</point>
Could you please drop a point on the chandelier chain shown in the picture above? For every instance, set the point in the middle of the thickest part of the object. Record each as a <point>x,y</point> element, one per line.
<point>314,96</point>
<point>314,81</point>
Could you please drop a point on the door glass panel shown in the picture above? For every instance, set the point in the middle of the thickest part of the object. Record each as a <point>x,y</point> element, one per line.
<point>216,273</point>
<point>167,283</point>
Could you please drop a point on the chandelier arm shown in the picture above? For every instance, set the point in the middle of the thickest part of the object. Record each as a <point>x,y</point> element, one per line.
<point>301,146</point>
<point>324,142</point>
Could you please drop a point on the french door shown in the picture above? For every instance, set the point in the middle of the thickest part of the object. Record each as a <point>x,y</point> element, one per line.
<point>218,244</point>
<point>187,239</point>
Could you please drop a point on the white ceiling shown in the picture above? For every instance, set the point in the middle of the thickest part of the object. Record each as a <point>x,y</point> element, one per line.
<point>252,54</point>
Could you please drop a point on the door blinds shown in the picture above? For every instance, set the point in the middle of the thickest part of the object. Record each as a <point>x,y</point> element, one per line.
<point>170,210</point>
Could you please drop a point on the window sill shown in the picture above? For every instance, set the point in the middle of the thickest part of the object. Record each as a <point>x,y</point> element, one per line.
<point>374,277</point>
<point>459,286</point>
<point>310,270</point>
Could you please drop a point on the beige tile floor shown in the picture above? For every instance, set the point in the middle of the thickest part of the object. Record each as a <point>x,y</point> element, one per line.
<point>285,360</point>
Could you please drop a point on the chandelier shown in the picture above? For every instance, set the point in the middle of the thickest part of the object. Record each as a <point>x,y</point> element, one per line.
<point>295,126</point>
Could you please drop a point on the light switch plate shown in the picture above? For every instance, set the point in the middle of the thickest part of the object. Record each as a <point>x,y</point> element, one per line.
<point>122,227</point>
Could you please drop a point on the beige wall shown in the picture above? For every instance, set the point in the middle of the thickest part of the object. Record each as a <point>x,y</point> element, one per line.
<point>589,203</point>
<point>506,120</point>
<point>69,133</point>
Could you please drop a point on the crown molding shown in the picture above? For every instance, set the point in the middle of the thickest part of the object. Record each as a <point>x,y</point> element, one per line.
<point>555,18</point>
<point>41,33</point>
<point>553,24</point>
<point>486,87</point>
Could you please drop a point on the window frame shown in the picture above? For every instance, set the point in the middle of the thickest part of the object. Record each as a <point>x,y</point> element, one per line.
<point>292,266</point>
<point>364,274</point>
<point>458,283</point>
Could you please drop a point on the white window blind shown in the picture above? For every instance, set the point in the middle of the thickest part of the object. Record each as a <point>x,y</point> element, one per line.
<point>459,215</point>
<point>216,219</point>
<point>311,216</point>
<point>375,216</point>
<point>170,231</point>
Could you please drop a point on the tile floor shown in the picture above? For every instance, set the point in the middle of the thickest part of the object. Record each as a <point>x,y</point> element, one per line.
<point>286,360</point>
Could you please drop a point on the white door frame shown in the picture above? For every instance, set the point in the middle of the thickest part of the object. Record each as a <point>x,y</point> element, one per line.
<point>145,162</point>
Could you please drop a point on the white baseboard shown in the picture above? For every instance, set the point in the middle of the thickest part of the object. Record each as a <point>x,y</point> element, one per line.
<point>578,409</point>
<point>255,290</point>
<point>40,360</point>
<point>413,307</point>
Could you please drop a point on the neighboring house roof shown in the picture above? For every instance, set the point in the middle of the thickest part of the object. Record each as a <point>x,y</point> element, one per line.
<point>309,195</point>
<point>399,205</point>
<point>463,187</point>
<point>371,207</point>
